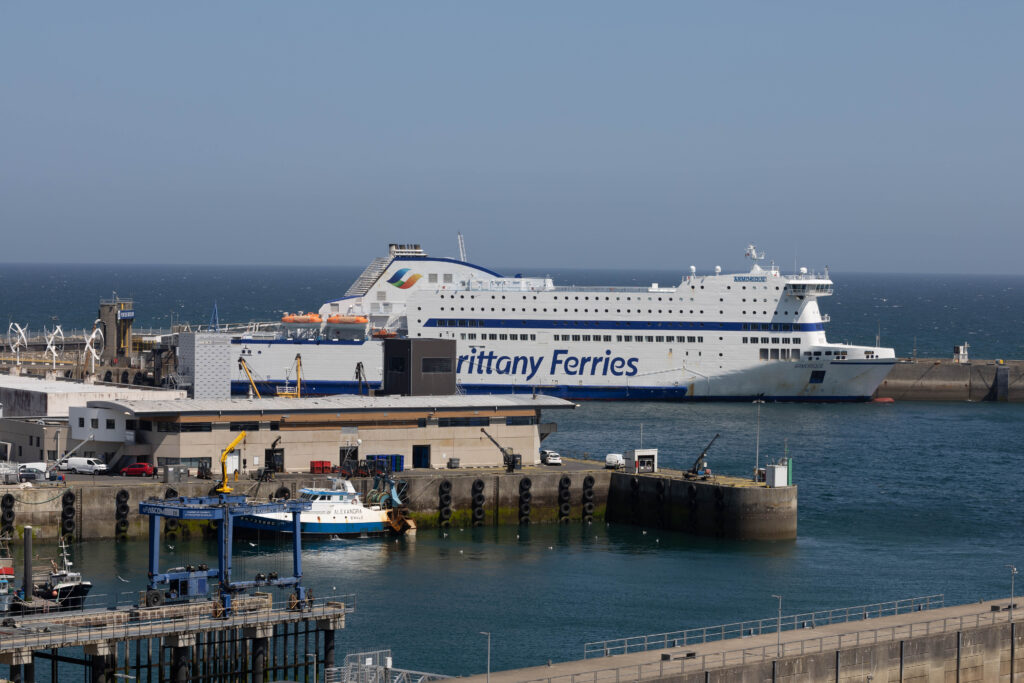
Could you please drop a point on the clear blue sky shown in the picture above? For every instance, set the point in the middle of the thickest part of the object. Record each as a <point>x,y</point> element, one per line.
<point>869,136</point>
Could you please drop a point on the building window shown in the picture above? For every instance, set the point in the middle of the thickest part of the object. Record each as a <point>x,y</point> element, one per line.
<point>110,424</point>
<point>436,365</point>
<point>519,421</point>
<point>244,426</point>
<point>196,427</point>
<point>167,427</point>
<point>463,422</point>
<point>81,422</point>
<point>145,425</point>
<point>95,423</point>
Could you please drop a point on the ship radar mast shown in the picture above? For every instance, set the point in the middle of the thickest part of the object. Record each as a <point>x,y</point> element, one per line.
<point>753,254</point>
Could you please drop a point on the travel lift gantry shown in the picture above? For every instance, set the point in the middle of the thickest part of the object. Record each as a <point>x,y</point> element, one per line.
<point>190,582</point>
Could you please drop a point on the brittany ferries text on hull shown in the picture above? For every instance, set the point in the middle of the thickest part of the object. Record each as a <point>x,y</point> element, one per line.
<point>719,336</point>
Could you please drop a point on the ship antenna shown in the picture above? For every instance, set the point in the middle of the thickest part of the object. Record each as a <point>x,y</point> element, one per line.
<point>462,248</point>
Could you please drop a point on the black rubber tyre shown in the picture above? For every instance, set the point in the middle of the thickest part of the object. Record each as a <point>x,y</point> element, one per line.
<point>564,509</point>
<point>444,487</point>
<point>170,493</point>
<point>525,497</point>
<point>565,482</point>
<point>478,514</point>
<point>563,495</point>
<point>67,526</point>
<point>445,524</point>
<point>7,516</point>
<point>283,492</point>
<point>170,535</point>
<point>67,513</point>
<point>171,525</point>
<point>68,499</point>
<point>478,500</point>
<point>588,519</point>
<point>123,496</point>
<point>478,485</point>
<point>588,482</point>
<point>445,514</point>
<point>7,502</point>
<point>122,510</point>
<point>525,484</point>
<point>588,495</point>
<point>524,509</point>
<point>524,521</point>
<point>121,526</point>
<point>154,598</point>
<point>588,508</point>
<point>445,499</point>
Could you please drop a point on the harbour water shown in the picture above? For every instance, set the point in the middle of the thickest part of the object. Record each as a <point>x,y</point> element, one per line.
<point>895,501</point>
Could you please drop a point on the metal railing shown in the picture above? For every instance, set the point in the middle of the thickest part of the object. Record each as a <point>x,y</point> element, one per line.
<point>375,667</point>
<point>72,627</point>
<point>690,662</point>
<point>694,636</point>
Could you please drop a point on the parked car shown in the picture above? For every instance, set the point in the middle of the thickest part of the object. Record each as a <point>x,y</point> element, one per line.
<point>138,469</point>
<point>550,458</point>
<point>83,465</point>
<point>614,461</point>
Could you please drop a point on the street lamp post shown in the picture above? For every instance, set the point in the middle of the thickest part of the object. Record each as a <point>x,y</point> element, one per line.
<point>757,440</point>
<point>778,629</point>
<point>488,634</point>
<point>1013,574</point>
<point>315,665</point>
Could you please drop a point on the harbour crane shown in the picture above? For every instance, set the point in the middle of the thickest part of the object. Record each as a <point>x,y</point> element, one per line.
<point>695,470</point>
<point>508,456</point>
<point>286,391</point>
<point>224,488</point>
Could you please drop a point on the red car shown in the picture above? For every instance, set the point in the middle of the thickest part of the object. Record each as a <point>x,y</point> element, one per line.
<point>138,469</point>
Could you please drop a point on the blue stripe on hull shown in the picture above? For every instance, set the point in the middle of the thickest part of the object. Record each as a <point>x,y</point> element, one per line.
<point>310,528</point>
<point>579,393</point>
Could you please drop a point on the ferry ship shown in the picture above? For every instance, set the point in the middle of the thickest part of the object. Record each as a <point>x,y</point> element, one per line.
<point>742,336</point>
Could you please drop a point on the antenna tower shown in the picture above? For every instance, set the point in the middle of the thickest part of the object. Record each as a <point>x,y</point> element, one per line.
<point>462,248</point>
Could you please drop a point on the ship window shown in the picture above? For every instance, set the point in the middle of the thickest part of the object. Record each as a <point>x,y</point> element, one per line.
<point>764,340</point>
<point>533,337</point>
<point>432,277</point>
<point>575,337</point>
<point>661,339</point>
<point>764,354</point>
<point>775,340</point>
<point>382,295</point>
<point>817,377</point>
<point>691,340</point>
<point>503,337</point>
<point>796,340</point>
<point>783,354</point>
<point>670,339</point>
<point>628,338</point>
<point>650,339</point>
<point>447,277</point>
<point>744,340</point>
<point>794,354</point>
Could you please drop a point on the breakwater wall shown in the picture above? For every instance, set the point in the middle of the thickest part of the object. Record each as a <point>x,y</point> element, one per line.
<point>723,507</point>
<point>944,380</point>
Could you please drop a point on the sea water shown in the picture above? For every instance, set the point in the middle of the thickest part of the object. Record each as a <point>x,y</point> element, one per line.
<point>895,501</point>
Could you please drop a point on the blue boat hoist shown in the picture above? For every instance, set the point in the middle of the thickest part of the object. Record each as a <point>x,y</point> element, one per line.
<point>185,583</point>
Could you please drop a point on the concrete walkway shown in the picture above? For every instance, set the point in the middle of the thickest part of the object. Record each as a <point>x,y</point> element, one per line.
<point>713,655</point>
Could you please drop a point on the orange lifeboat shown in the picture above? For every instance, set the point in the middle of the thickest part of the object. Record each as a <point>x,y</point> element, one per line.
<point>384,334</point>
<point>302,319</point>
<point>347,320</point>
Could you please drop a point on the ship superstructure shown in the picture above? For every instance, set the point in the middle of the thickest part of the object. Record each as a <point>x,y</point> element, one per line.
<point>717,336</point>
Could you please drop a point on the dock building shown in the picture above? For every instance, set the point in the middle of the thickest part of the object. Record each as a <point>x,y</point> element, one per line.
<point>434,432</point>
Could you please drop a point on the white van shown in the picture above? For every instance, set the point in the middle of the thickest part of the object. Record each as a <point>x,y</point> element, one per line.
<point>614,461</point>
<point>83,465</point>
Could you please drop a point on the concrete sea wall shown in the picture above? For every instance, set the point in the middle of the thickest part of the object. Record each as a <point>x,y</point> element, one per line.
<point>942,380</point>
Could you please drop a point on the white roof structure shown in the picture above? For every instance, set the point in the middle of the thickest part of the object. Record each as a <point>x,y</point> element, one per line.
<point>32,396</point>
<point>345,403</point>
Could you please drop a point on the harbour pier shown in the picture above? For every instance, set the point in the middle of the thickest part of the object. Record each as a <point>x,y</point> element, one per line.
<point>908,640</point>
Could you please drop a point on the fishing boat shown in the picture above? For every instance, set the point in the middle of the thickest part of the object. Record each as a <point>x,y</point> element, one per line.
<point>339,511</point>
<point>64,586</point>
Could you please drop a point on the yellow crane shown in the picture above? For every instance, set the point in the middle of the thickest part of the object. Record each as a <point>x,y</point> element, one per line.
<point>252,383</point>
<point>224,488</point>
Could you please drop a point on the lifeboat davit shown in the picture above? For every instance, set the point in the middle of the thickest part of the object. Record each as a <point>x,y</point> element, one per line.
<point>302,320</point>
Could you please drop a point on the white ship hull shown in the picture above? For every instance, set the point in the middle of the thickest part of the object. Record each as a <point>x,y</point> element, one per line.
<point>716,337</point>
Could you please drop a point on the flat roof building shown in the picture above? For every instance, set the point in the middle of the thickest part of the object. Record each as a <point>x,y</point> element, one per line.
<point>23,396</point>
<point>427,431</point>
